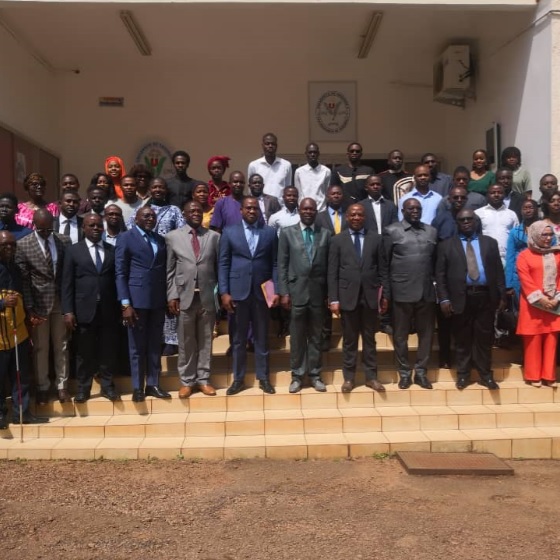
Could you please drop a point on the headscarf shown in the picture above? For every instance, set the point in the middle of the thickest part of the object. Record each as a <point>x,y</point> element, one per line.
<point>117,180</point>
<point>224,160</point>
<point>534,242</point>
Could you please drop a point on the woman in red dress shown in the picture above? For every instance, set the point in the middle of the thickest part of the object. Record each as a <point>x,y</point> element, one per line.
<point>539,311</point>
<point>217,187</point>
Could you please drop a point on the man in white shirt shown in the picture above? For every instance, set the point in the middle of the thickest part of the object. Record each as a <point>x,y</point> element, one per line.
<point>496,219</point>
<point>68,223</point>
<point>276,172</point>
<point>313,179</point>
<point>130,203</point>
<point>288,215</point>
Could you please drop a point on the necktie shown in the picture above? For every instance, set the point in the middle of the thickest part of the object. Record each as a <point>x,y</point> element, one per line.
<point>147,238</point>
<point>195,243</point>
<point>308,240</point>
<point>252,240</point>
<point>472,264</point>
<point>98,261</point>
<point>48,255</point>
<point>357,244</point>
<point>67,228</point>
<point>336,222</point>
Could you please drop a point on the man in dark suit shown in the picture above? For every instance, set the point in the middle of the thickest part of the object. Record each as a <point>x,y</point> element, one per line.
<point>40,257</point>
<point>471,286</point>
<point>410,247</point>
<point>333,218</point>
<point>380,212</point>
<point>141,287</point>
<point>268,204</point>
<point>357,272</point>
<point>247,259</point>
<point>91,308</point>
<point>302,282</point>
<point>69,223</point>
<point>192,275</point>
<point>512,199</point>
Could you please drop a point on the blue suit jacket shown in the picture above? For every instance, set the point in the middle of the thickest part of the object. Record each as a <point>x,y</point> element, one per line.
<point>141,276</point>
<point>239,273</point>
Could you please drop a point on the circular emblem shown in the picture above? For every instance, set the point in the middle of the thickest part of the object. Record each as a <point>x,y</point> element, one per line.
<point>156,157</point>
<point>332,112</point>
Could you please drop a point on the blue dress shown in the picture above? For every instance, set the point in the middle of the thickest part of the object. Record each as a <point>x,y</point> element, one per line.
<point>517,242</point>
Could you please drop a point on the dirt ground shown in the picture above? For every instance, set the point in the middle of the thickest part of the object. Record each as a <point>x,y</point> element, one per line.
<point>234,510</point>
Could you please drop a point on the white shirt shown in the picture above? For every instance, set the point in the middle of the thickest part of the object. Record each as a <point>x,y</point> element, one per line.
<point>312,182</point>
<point>497,223</point>
<point>73,227</point>
<point>276,176</point>
<point>91,246</point>
<point>129,210</point>
<point>283,218</point>
<point>52,247</point>
<point>376,205</point>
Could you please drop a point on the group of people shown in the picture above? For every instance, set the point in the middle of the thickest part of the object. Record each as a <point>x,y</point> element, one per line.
<point>145,263</point>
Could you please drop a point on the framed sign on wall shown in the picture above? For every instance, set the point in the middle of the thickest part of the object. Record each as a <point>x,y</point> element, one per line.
<point>332,111</point>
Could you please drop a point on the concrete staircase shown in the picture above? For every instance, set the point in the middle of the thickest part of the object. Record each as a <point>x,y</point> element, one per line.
<point>516,421</point>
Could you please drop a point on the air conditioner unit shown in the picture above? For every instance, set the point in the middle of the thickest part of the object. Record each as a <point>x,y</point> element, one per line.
<point>454,76</point>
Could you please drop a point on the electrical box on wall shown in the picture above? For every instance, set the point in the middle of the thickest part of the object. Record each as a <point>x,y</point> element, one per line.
<point>454,76</point>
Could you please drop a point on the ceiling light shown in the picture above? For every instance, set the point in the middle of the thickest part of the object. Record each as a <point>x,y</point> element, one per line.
<point>135,32</point>
<point>369,36</point>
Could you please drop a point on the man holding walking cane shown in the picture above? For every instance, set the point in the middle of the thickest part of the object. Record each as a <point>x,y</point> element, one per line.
<point>14,339</point>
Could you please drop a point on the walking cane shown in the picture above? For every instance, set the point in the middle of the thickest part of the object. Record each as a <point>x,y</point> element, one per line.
<point>18,379</point>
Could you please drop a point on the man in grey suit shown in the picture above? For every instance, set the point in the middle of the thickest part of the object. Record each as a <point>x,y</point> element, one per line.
<point>410,248</point>
<point>357,273</point>
<point>192,264</point>
<point>302,282</point>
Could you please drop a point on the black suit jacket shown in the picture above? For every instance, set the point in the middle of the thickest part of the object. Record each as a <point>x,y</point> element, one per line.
<point>323,220</point>
<point>389,214</point>
<point>350,278</point>
<point>81,285</point>
<point>515,204</point>
<point>451,271</point>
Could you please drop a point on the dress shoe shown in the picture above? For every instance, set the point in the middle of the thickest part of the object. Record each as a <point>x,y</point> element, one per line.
<point>111,394</point>
<point>489,383</point>
<point>207,390</point>
<point>236,387</point>
<point>157,392</point>
<point>347,386</point>
<point>295,385</point>
<point>81,397</point>
<point>42,397</point>
<point>375,385</point>
<point>64,396</point>
<point>170,350</point>
<point>405,382</point>
<point>29,418</point>
<point>387,329</point>
<point>444,365</point>
<point>462,383</point>
<point>423,381</point>
<point>552,384</point>
<point>138,395</point>
<point>185,392</point>
<point>265,385</point>
<point>318,385</point>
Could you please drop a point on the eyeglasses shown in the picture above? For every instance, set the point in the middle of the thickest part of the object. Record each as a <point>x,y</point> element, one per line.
<point>547,235</point>
<point>459,198</point>
<point>45,230</point>
<point>465,220</point>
